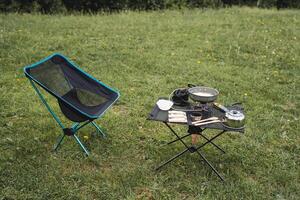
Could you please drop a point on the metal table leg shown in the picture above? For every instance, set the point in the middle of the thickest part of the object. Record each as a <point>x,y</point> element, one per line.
<point>212,142</point>
<point>193,149</point>
<point>209,141</point>
<point>176,135</point>
<point>210,165</point>
<point>171,159</point>
<point>178,139</point>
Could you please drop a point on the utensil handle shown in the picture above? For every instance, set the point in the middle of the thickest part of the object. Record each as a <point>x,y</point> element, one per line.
<point>204,120</point>
<point>221,107</point>
<point>209,122</point>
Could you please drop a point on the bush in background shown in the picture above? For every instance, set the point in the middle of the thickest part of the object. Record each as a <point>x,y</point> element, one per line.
<point>60,6</point>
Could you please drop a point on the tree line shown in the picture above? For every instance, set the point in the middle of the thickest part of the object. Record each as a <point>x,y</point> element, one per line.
<point>92,6</point>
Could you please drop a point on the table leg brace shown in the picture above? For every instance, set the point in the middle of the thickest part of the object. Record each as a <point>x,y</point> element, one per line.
<point>192,150</point>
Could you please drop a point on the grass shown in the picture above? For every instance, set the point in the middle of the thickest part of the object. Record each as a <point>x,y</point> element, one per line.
<point>250,55</point>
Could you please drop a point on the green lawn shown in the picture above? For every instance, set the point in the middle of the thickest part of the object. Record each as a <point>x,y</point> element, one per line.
<point>249,55</point>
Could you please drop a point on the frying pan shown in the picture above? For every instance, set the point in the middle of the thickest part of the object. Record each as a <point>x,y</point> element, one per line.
<point>203,94</point>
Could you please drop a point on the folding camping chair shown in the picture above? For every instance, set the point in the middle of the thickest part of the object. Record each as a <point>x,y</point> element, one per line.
<point>81,98</point>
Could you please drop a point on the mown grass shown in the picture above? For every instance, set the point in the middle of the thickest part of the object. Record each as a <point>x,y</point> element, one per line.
<point>250,55</point>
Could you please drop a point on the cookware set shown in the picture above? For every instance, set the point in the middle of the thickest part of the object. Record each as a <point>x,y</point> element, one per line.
<point>201,101</point>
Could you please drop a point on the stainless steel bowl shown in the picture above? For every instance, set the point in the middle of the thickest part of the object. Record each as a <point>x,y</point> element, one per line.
<point>203,94</point>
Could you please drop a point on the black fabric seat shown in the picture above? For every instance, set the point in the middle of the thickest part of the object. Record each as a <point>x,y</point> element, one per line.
<point>71,114</point>
<point>80,96</point>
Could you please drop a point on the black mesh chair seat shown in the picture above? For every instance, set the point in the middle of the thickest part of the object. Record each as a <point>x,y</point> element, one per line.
<point>80,96</point>
<point>92,110</point>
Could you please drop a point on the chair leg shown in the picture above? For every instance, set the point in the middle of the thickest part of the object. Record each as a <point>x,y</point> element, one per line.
<point>99,130</point>
<point>81,145</point>
<point>59,142</point>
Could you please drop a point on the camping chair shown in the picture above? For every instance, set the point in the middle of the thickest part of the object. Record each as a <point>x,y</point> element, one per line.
<point>81,98</point>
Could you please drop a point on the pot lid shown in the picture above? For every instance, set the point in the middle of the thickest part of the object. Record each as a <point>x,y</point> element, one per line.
<point>235,115</point>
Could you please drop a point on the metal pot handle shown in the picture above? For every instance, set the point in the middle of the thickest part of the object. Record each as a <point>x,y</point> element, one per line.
<point>236,103</point>
<point>191,85</point>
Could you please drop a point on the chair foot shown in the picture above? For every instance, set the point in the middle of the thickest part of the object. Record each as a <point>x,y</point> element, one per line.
<point>81,145</point>
<point>99,130</point>
<point>59,142</point>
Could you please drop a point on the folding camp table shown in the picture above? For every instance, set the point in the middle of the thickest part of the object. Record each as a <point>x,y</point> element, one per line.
<point>81,97</point>
<point>162,116</point>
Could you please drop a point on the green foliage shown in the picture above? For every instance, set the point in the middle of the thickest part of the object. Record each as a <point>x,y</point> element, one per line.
<point>51,6</point>
<point>250,55</point>
<point>28,6</point>
<point>266,3</point>
<point>213,3</point>
<point>205,3</point>
<point>61,6</point>
<point>278,3</point>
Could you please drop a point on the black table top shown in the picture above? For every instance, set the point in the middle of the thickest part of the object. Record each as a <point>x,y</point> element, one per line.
<point>162,116</point>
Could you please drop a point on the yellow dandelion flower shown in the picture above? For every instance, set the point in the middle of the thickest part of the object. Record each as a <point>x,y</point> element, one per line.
<point>86,137</point>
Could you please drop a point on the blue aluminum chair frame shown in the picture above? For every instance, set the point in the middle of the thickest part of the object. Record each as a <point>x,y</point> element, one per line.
<point>78,125</point>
